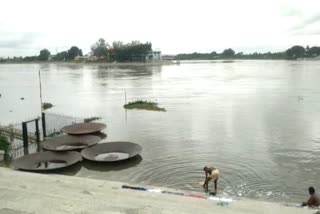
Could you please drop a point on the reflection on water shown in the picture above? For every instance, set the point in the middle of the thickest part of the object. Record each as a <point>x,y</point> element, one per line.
<point>125,72</point>
<point>257,121</point>
<point>51,164</point>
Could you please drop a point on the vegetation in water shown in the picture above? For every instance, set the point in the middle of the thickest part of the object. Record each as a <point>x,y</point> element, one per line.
<point>46,106</point>
<point>90,119</point>
<point>144,105</point>
<point>5,146</point>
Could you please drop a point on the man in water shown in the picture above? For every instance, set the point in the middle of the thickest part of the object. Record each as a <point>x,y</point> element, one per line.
<point>211,174</point>
<point>314,200</point>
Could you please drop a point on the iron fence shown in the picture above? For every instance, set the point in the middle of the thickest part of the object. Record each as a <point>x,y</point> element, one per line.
<point>55,122</point>
<point>25,137</point>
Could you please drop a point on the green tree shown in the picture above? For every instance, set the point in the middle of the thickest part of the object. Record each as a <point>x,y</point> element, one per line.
<point>228,53</point>
<point>73,52</point>
<point>134,51</point>
<point>100,48</point>
<point>61,56</point>
<point>117,45</point>
<point>44,55</point>
<point>295,52</point>
<point>30,58</point>
<point>314,51</point>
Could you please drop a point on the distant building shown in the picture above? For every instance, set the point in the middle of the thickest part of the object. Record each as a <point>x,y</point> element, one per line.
<point>153,56</point>
<point>316,58</point>
<point>87,57</point>
<point>81,58</point>
<point>51,57</point>
<point>168,57</point>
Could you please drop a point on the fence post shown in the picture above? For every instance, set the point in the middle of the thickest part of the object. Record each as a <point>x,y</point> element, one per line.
<point>44,126</point>
<point>37,131</point>
<point>38,135</point>
<point>25,138</point>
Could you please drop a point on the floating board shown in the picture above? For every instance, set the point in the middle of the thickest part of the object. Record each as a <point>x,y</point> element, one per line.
<point>111,152</point>
<point>70,142</point>
<point>155,190</point>
<point>84,128</point>
<point>220,201</point>
<point>223,199</point>
<point>47,161</point>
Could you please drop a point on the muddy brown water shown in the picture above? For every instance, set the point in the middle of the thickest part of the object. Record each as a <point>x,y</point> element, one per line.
<point>256,121</point>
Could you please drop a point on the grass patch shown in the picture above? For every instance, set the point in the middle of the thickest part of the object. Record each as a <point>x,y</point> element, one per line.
<point>5,146</point>
<point>144,105</point>
<point>90,119</point>
<point>46,106</point>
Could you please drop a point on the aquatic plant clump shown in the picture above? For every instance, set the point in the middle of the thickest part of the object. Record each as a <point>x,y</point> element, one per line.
<point>46,106</point>
<point>144,105</point>
<point>90,119</point>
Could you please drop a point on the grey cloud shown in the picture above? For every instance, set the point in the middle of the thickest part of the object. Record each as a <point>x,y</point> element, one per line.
<point>315,32</point>
<point>291,12</point>
<point>311,20</point>
<point>18,40</point>
<point>307,26</point>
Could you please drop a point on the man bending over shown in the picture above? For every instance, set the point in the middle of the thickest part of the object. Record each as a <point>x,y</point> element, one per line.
<point>212,174</point>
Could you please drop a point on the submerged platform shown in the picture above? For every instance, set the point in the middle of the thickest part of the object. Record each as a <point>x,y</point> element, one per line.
<point>111,151</point>
<point>31,193</point>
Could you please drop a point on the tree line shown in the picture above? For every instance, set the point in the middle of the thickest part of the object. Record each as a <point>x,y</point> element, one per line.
<point>294,52</point>
<point>100,51</point>
<point>137,51</point>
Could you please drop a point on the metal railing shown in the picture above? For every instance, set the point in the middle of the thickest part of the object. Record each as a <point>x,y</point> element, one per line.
<point>25,137</point>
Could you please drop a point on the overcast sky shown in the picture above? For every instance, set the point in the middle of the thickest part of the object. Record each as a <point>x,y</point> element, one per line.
<point>173,26</point>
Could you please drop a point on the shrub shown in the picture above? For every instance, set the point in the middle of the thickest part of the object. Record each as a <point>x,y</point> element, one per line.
<point>5,146</point>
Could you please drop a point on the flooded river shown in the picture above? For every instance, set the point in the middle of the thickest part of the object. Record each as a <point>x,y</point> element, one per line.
<point>257,121</point>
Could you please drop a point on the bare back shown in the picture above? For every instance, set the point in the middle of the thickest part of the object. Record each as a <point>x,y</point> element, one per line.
<point>314,200</point>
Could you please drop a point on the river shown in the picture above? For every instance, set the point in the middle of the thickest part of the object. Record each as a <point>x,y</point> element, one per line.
<point>257,121</point>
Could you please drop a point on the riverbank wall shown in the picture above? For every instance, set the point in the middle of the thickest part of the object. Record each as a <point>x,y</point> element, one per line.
<point>31,193</point>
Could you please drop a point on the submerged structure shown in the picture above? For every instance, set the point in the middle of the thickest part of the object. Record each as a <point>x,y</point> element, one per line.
<point>70,142</point>
<point>83,128</point>
<point>111,152</point>
<point>47,161</point>
<point>80,138</point>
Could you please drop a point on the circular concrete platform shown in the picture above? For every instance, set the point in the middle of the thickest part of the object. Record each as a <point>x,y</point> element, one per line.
<point>46,161</point>
<point>111,152</point>
<point>70,142</point>
<point>84,128</point>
